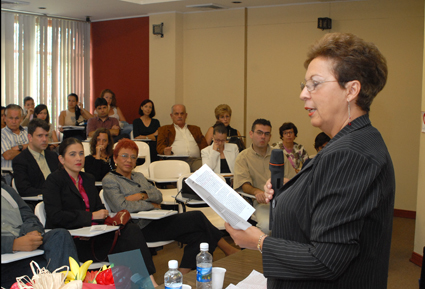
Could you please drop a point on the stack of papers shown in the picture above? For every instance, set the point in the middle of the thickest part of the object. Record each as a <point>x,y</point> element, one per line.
<point>255,280</point>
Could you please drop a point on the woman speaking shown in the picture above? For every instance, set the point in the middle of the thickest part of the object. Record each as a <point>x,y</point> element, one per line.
<point>332,221</point>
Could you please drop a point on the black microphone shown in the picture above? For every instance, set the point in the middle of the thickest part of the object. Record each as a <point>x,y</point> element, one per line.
<point>277,170</point>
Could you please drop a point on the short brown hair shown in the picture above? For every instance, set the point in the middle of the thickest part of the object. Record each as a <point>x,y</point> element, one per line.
<point>222,109</point>
<point>354,59</point>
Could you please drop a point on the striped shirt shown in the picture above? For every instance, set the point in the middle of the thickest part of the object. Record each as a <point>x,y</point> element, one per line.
<point>9,140</point>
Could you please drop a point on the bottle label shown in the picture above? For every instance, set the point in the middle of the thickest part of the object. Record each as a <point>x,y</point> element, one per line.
<point>203,274</point>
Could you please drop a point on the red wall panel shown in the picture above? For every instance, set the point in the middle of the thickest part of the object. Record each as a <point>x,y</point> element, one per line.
<point>120,62</point>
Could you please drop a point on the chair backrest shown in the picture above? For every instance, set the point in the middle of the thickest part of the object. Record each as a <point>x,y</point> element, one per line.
<point>168,169</point>
<point>102,198</point>
<point>144,151</point>
<point>40,213</point>
<point>86,146</point>
<point>184,176</point>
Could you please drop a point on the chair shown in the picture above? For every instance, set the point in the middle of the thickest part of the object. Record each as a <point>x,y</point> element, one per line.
<point>40,212</point>
<point>167,171</point>
<point>144,151</point>
<point>149,244</point>
<point>86,146</point>
<point>191,205</point>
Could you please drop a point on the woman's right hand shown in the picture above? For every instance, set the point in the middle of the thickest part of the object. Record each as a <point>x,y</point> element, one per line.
<point>99,150</point>
<point>100,215</point>
<point>268,191</point>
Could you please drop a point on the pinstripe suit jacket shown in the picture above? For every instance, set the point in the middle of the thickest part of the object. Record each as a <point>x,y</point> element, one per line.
<point>333,220</point>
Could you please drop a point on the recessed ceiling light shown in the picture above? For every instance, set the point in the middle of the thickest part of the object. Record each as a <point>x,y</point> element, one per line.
<point>236,2</point>
<point>41,7</point>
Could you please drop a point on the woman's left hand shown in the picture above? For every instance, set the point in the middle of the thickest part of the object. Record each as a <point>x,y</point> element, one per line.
<point>245,239</point>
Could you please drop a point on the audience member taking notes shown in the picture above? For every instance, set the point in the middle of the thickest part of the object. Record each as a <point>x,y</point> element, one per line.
<point>22,231</point>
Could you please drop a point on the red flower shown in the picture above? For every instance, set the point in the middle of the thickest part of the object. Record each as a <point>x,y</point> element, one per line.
<point>90,277</point>
<point>105,277</point>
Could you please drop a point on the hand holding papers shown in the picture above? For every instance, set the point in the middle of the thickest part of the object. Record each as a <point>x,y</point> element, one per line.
<point>221,198</point>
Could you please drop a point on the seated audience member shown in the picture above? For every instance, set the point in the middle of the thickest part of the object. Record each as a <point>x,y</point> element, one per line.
<point>146,127</point>
<point>220,156</point>
<point>320,142</point>
<point>180,138</point>
<point>27,116</point>
<point>35,163</point>
<point>74,115</point>
<point>41,112</point>
<point>72,201</point>
<point>115,111</point>
<point>100,161</point>
<point>125,189</point>
<point>103,120</point>
<point>223,114</point>
<point>252,170</point>
<point>22,231</point>
<point>295,153</point>
<point>14,138</point>
<point>3,117</point>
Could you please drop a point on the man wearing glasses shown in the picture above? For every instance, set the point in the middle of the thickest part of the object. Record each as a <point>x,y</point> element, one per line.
<point>252,170</point>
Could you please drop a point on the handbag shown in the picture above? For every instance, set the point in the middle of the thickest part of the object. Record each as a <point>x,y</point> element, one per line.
<point>120,219</point>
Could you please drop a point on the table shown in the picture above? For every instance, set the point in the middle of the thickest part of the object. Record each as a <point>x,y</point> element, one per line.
<point>11,257</point>
<point>238,267</point>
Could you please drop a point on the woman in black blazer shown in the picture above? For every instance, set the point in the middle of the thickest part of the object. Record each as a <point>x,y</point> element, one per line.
<point>72,201</point>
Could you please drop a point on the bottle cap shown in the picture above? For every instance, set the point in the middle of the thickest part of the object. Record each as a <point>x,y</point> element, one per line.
<point>204,246</point>
<point>173,264</point>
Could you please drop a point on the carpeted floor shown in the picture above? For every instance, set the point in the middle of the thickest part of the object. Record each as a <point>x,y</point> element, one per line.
<point>402,273</point>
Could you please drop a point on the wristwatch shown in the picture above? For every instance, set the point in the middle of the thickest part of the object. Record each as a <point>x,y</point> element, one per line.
<point>20,147</point>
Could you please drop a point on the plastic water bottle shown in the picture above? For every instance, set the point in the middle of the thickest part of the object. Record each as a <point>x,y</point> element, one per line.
<point>173,278</point>
<point>204,268</point>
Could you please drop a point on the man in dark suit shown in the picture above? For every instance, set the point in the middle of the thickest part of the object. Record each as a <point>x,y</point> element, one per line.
<point>32,166</point>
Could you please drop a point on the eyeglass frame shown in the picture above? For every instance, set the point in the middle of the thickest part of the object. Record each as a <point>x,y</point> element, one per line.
<point>261,133</point>
<point>126,156</point>
<point>313,87</point>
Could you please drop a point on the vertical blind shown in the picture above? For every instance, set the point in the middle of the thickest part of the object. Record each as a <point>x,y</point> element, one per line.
<point>45,58</point>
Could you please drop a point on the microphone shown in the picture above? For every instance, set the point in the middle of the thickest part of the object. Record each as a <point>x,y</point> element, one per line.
<point>277,170</point>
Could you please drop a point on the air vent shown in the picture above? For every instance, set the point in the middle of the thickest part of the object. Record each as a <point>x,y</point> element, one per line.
<point>206,6</point>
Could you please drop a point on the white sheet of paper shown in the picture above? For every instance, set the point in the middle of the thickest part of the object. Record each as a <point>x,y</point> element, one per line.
<point>221,197</point>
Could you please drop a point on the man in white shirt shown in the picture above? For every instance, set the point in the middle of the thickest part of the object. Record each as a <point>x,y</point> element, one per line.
<point>180,138</point>
<point>14,137</point>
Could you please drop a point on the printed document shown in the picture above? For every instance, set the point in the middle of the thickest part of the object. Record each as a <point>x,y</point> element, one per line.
<point>221,197</point>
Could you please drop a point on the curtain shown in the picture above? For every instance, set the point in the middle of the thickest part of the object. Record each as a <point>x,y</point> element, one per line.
<point>45,58</point>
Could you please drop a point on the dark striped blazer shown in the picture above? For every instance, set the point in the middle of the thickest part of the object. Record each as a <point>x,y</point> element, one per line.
<point>333,220</point>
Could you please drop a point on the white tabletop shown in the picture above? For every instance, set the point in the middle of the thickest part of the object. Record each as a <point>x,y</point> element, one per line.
<point>189,202</point>
<point>141,139</point>
<point>173,156</point>
<point>11,257</point>
<point>160,181</point>
<point>54,142</point>
<point>33,198</point>
<point>85,231</point>
<point>153,215</point>
<point>7,169</point>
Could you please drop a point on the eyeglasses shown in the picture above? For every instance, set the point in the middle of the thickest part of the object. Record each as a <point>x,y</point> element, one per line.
<point>260,133</point>
<point>312,84</point>
<point>126,156</point>
<point>219,140</point>
<point>288,132</point>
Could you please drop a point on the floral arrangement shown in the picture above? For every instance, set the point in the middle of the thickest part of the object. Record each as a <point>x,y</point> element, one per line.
<point>102,276</point>
<point>73,277</point>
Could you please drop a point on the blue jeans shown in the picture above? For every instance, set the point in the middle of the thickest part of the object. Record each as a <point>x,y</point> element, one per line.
<point>127,128</point>
<point>58,246</point>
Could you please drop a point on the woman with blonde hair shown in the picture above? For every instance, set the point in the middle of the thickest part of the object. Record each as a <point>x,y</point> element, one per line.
<point>223,114</point>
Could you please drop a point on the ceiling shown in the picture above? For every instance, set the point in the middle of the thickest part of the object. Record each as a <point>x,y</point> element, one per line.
<point>111,9</point>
